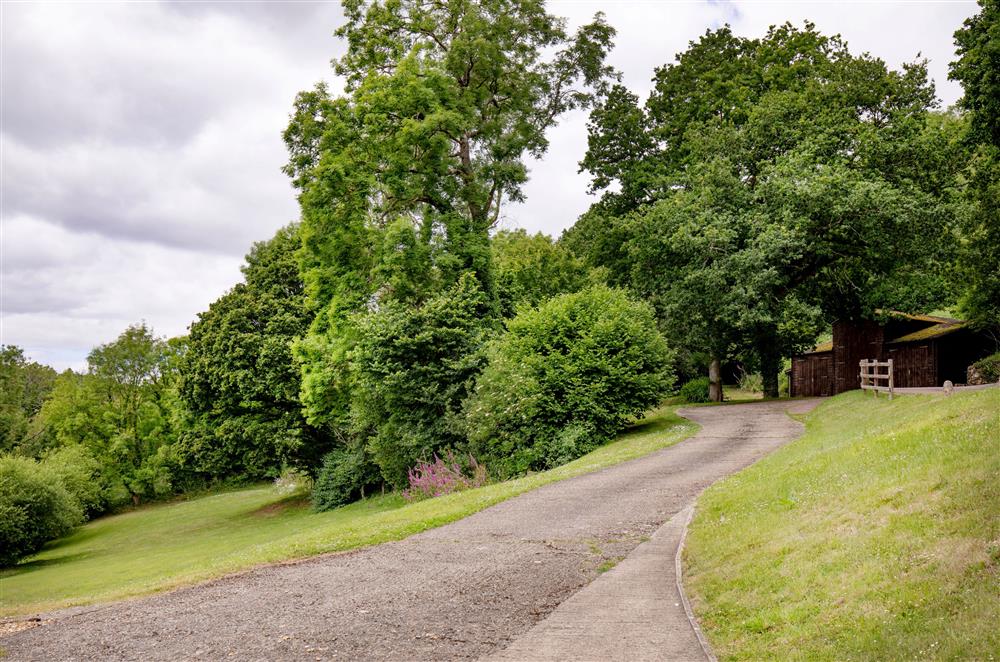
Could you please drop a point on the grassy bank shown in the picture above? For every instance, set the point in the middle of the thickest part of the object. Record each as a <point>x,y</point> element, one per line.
<point>874,536</point>
<point>169,545</point>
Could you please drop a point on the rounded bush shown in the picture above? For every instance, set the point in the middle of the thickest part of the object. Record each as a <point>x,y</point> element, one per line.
<point>989,368</point>
<point>695,390</point>
<point>80,474</point>
<point>34,508</point>
<point>565,378</point>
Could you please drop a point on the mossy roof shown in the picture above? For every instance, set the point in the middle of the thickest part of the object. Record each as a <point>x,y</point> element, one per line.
<point>822,347</point>
<point>931,332</point>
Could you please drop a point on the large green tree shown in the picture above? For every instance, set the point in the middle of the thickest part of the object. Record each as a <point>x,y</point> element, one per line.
<point>240,382</point>
<point>402,177</point>
<point>24,385</point>
<point>123,412</point>
<point>533,268</point>
<point>775,179</point>
<point>978,69</point>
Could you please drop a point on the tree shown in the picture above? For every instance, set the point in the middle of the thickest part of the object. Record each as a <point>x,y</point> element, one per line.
<point>978,69</point>
<point>401,180</point>
<point>24,386</point>
<point>414,367</point>
<point>532,268</point>
<point>123,411</point>
<point>402,177</point>
<point>130,373</point>
<point>780,178</point>
<point>239,380</point>
<point>977,45</point>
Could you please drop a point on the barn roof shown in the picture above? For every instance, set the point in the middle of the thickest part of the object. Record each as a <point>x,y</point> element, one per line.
<point>935,319</point>
<point>931,332</point>
<point>822,347</point>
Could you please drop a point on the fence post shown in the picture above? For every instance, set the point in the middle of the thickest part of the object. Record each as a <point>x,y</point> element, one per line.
<point>890,379</point>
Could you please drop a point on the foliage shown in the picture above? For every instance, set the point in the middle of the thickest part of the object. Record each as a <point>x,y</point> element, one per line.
<point>978,47</point>
<point>769,184</point>
<point>989,367</point>
<point>695,390</point>
<point>152,549</point>
<point>443,476</point>
<point>413,369</point>
<point>79,473</point>
<point>34,508</point>
<point>123,413</point>
<point>565,378</point>
<point>402,178</point>
<point>871,537</point>
<point>239,380</point>
<point>345,474</point>
<point>24,385</point>
<point>533,268</point>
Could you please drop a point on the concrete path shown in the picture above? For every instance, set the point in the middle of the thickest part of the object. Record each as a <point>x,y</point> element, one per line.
<point>467,590</point>
<point>633,612</point>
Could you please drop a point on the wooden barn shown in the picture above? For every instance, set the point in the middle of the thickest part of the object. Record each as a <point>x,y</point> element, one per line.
<point>925,351</point>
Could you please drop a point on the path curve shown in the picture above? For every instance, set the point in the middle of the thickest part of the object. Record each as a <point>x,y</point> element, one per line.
<point>470,589</point>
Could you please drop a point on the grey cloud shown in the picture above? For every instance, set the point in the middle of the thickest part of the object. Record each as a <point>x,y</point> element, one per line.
<point>138,73</point>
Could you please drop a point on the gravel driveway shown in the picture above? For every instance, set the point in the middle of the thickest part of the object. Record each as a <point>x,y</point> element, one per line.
<point>461,591</point>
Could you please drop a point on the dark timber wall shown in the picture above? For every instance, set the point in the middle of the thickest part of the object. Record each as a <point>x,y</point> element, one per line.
<point>852,342</point>
<point>928,352</point>
<point>811,375</point>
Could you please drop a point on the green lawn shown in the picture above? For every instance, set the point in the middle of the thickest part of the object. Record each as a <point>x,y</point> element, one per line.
<point>168,545</point>
<point>875,536</point>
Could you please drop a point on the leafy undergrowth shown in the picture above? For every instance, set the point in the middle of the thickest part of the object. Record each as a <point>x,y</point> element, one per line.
<point>875,536</point>
<point>169,545</point>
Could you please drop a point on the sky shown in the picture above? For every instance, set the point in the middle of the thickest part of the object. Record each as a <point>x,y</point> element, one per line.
<point>141,151</point>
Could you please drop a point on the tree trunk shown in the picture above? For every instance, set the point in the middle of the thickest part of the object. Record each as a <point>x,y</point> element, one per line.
<point>770,366</point>
<point>715,380</point>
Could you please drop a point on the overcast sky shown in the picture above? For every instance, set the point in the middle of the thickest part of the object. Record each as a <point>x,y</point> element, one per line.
<point>141,141</point>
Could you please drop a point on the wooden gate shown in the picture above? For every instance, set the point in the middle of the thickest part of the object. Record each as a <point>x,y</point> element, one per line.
<point>874,380</point>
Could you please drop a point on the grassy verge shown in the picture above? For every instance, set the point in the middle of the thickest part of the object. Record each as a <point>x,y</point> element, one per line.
<point>875,536</point>
<point>169,545</point>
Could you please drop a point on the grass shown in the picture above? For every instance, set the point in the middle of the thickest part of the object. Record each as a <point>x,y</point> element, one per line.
<point>168,545</point>
<point>874,536</point>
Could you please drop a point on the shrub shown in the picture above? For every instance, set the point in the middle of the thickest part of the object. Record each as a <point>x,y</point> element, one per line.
<point>565,378</point>
<point>989,367</point>
<point>80,474</point>
<point>695,390</point>
<point>343,478</point>
<point>34,508</point>
<point>443,476</point>
<point>413,368</point>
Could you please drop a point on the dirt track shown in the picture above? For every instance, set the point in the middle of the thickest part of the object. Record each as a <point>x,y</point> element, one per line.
<point>461,591</point>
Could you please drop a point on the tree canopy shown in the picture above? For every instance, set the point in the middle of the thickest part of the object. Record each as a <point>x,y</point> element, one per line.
<point>239,380</point>
<point>978,69</point>
<point>402,177</point>
<point>24,385</point>
<point>767,183</point>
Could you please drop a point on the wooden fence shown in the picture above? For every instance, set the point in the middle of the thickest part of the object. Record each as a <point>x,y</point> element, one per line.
<point>872,379</point>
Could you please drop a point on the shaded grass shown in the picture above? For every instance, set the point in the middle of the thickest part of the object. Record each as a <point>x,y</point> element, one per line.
<point>874,536</point>
<point>168,545</point>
